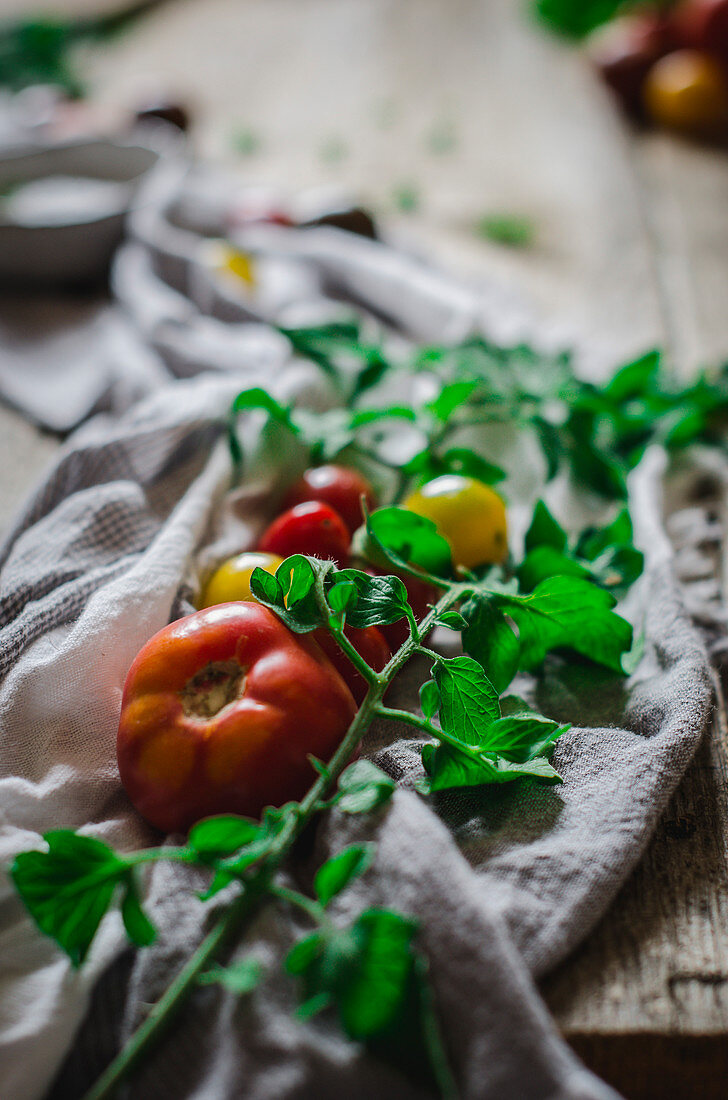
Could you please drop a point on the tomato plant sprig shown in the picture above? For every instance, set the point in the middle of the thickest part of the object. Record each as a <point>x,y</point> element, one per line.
<point>559,597</point>
<point>594,433</point>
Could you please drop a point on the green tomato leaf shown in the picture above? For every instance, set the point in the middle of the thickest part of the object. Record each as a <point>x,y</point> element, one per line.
<point>491,641</point>
<point>336,874</point>
<point>293,597</point>
<point>451,397</point>
<point>552,445</point>
<point>363,787</point>
<point>361,417</point>
<point>241,977</point>
<point>572,613</point>
<point>266,589</point>
<point>222,835</point>
<point>544,530</point>
<point>303,954</point>
<point>219,881</point>
<point>605,555</point>
<point>296,576</point>
<point>313,1006</point>
<point>364,970</point>
<point>521,738</point>
<point>448,767</point>
<point>326,343</point>
<point>468,700</point>
<point>577,18</point>
<point>461,460</point>
<point>634,379</point>
<point>257,398</point>
<point>256,837</point>
<point>545,562</point>
<point>69,888</point>
<point>596,467</point>
<point>341,595</point>
<point>406,539</point>
<point>379,600</point>
<point>371,373</point>
<point>513,230</point>
<point>139,928</point>
<point>453,620</point>
<point>429,699</point>
<point>377,978</point>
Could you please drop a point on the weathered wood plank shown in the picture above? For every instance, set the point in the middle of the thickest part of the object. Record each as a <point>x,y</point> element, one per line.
<point>645,1001</point>
<point>24,454</point>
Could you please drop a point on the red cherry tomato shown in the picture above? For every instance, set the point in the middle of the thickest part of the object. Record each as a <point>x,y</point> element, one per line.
<point>219,713</point>
<point>369,642</point>
<point>311,528</point>
<point>337,486</point>
<point>703,25</point>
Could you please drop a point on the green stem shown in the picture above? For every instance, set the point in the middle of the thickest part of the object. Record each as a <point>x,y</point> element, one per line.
<point>392,714</point>
<point>433,1038</point>
<point>260,882</point>
<point>340,638</point>
<point>414,628</point>
<point>356,658</point>
<point>439,734</point>
<point>155,855</point>
<point>311,908</point>
<point>428,652</point>
<point>165,1010</point>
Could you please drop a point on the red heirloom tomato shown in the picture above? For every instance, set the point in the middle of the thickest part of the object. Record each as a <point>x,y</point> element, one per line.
<point>219,714</point>
<point>337,486</point>
<point>369,642</point>
<point>311,528</point>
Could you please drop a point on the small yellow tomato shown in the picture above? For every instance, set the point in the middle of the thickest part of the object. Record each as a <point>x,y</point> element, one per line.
<point>231,580</point>
<point>231,261</point>
<point>469,514</point>
<point>687,91</point>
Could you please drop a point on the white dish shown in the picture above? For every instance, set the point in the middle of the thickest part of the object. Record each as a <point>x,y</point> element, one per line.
<point>62,207</point>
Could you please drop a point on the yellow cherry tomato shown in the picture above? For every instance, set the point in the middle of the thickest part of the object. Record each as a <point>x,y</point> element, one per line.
<point>231,580</point>
<point>687,91</point>
<point>469,514</point>
<point>231,261</point>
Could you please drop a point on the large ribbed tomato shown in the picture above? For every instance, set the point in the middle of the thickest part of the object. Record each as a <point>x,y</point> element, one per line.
<point>220,712</point>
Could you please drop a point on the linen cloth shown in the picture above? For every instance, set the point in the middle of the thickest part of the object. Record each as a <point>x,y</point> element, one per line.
<point>505,883</point>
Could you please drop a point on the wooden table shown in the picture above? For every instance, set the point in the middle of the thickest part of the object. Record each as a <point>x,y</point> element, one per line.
<point>466,108</point>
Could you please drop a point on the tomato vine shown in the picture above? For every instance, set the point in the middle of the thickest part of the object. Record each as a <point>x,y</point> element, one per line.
<point>560,596</point>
